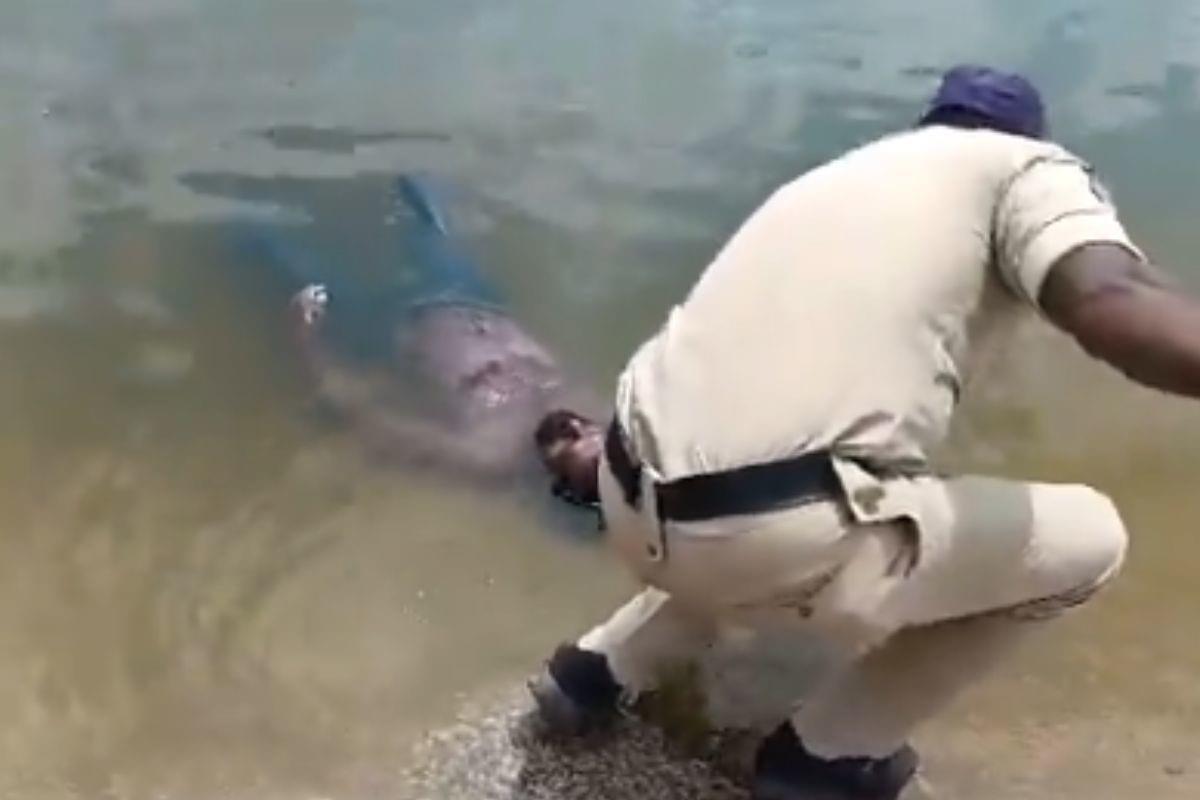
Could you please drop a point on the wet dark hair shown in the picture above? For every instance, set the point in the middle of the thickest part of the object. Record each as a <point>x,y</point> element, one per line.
<point>557,425</point>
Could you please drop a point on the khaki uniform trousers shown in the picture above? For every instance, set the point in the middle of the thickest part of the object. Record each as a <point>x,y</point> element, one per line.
<point>925,581</point>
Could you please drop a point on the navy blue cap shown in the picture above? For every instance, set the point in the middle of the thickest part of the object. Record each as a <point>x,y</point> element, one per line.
<point>1004,101</point>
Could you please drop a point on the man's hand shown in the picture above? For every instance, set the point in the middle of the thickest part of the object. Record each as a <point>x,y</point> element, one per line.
<point>1125,312</point>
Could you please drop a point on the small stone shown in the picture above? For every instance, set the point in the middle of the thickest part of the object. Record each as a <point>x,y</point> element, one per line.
<point>1174,770</point>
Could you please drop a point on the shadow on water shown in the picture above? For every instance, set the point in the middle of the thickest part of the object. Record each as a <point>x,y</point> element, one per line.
<point>340,140</point>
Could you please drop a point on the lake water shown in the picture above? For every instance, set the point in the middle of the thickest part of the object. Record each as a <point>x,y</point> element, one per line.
<point>206,589</point>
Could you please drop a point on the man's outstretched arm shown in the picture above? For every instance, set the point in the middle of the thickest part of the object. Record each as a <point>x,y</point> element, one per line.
<point>1127,313</point>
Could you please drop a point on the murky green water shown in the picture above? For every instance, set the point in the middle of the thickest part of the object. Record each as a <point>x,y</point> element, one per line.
<point>207,591</point>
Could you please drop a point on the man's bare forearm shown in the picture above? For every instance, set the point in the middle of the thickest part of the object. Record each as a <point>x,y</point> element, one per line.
<point>1160,345</point>
<point>1130,315</point>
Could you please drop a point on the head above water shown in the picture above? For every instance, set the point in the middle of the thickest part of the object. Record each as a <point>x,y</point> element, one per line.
<point>981,97</point>
<point>569,445</point>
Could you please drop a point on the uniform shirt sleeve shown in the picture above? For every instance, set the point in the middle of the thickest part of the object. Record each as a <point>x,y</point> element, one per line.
<point>1049,207</point>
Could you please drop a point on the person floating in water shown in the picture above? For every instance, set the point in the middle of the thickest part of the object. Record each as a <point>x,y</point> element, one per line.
<point>446,326</point>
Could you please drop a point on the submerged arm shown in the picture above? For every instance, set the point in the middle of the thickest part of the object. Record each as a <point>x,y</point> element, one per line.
<point>415,441</point>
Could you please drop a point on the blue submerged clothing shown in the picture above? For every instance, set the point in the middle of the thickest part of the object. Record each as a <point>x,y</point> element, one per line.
<point>378,270</point>
<point>440,272</point>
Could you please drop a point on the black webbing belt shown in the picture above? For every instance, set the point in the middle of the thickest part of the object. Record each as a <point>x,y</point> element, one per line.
<point>754,489</point>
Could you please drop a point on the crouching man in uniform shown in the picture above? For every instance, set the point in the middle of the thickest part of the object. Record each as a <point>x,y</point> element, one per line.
<point>767,464</point>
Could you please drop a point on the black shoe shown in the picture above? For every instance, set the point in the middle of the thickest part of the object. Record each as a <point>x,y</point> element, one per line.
<point>576,693</point>
<point>784,770</point>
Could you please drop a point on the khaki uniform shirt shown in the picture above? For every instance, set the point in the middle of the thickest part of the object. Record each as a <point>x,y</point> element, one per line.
<point>847,311</point>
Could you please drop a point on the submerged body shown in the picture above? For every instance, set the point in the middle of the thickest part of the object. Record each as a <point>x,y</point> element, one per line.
<point>483,361</point>
<point>492,381</point>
